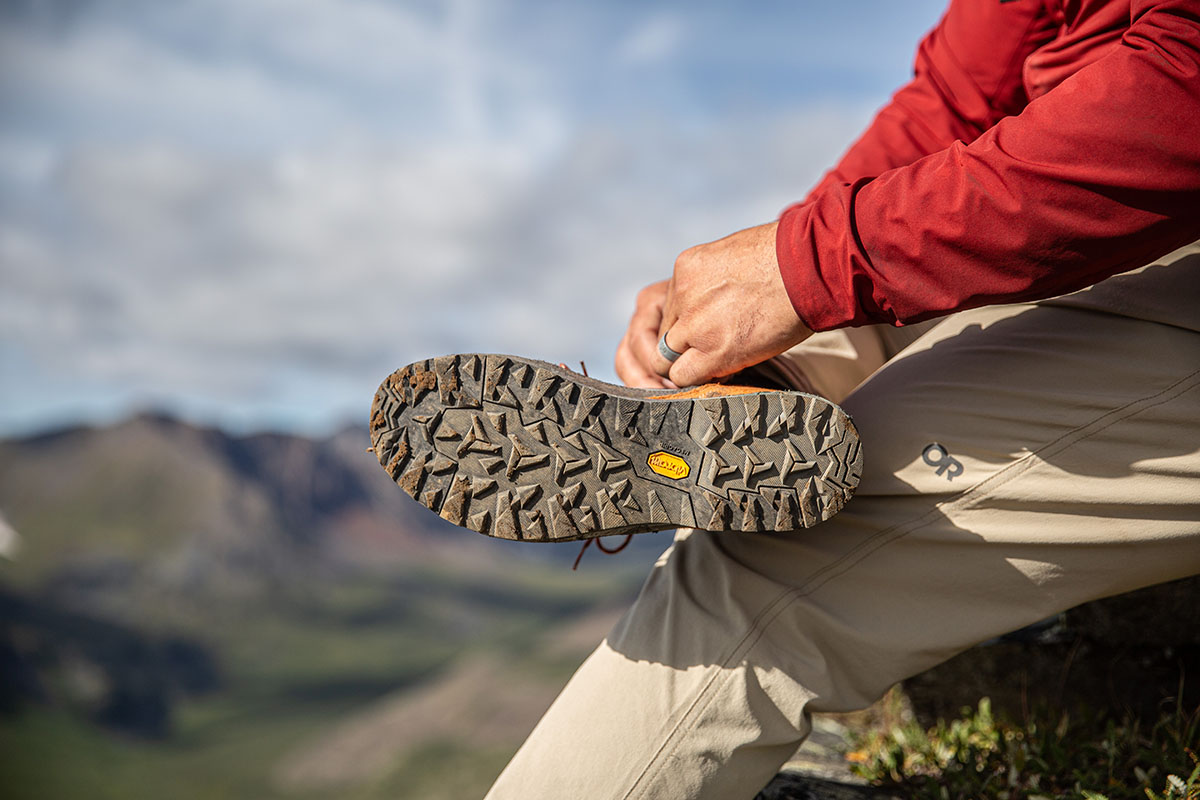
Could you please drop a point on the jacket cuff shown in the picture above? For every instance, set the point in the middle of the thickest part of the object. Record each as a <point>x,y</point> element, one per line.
<point>825,268</point>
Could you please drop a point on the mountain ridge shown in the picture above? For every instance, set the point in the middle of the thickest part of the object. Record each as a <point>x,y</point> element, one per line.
<point>288,572</point>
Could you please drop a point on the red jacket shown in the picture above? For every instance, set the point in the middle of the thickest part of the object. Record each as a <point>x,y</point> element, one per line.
<point>1042,146</point>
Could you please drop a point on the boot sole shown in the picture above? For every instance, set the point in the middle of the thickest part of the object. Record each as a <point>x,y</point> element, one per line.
<point>522,449</point>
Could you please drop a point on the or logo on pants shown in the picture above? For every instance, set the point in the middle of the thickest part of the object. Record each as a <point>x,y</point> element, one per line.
<point>936,456</point>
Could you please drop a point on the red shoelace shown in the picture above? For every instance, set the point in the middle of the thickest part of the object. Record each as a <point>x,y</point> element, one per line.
<point>600,546</point>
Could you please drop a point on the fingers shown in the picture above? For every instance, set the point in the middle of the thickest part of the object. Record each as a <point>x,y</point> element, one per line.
<point>643,346</point>
<point>635,354</point>
<point>662,365</point>
<point>702,357</point>
<point>693,368</point>
<point>646,348</point>
<point>669,327</point>
<point>689,368</point>
<point>670,310</point>
<point>635,373</point>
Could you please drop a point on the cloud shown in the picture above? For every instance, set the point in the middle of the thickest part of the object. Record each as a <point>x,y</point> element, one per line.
<point>655,39</point>
<point>257,76</point>
<point>181,273</point>
<point>116,84</point>
<point>251,212</point>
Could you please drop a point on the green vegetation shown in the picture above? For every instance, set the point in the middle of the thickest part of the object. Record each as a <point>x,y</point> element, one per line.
<point>439,770</point>
<point>292,666</point>
<point>1046,756</point>
<point>48,753</point>
<point>193,616</point>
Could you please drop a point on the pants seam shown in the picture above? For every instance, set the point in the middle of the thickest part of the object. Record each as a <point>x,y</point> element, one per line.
<point>718,675</point>
<point>979,491</point>
<point>965,499</point>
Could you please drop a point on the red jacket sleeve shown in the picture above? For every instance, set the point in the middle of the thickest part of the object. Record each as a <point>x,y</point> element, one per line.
<point>1099,175</point>
<point>966,77</point>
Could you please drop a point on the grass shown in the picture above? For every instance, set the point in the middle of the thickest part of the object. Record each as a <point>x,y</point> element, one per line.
<point>48,753</point>
<point>439,770</point>
<point>296,663</point>
<point>1046,756</point>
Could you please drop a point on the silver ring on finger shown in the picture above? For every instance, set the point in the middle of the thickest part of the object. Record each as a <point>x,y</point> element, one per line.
<point>665,350</point>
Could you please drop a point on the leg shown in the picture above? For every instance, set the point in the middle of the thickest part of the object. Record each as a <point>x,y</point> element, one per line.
<point>1067,470</point>
<point>833,363</point>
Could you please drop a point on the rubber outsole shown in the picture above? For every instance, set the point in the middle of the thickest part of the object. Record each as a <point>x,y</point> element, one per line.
<point>522,449</point>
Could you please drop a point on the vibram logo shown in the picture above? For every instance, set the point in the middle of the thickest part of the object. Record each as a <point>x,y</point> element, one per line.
<point>668,465</point>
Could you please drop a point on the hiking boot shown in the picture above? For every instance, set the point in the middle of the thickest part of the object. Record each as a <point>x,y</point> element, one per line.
<point>523,449</point>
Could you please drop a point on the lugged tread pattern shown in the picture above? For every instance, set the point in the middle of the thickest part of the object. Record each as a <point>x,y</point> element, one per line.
<point>522,449</point>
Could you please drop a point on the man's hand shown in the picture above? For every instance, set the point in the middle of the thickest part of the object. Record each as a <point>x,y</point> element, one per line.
<point>638,350</point>
<point>725,309</point>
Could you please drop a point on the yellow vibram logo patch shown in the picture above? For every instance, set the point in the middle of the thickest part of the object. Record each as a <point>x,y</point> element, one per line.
<point>668,465</point>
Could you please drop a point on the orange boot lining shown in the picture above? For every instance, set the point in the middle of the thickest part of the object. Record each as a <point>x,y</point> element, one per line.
<point>708,390</point>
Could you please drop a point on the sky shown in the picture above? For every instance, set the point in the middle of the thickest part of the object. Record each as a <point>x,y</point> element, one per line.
<point>248,212</point>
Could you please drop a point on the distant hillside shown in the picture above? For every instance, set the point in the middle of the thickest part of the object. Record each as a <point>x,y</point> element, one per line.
<point>197,589</point>
<point>197,501</point>
<point>195,505</point>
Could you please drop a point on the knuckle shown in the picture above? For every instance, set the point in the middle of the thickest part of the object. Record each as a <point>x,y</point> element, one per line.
<point>684,259</point>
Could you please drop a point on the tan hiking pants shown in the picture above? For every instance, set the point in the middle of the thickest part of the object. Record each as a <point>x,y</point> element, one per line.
<point>1020,460</point>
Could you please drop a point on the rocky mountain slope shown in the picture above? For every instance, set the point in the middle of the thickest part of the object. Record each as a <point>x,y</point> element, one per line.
<point>167,591</point>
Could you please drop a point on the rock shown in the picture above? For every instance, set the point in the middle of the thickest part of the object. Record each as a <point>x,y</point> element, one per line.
<point>819,770</point>
<point>790,785</point>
